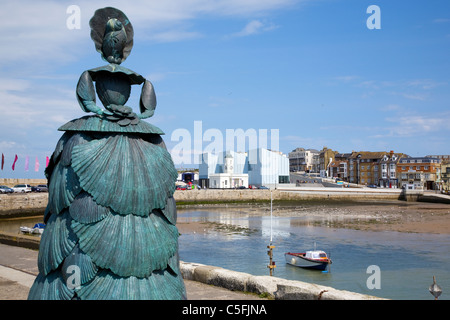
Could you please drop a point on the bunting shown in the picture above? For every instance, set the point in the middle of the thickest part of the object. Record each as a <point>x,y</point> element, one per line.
<point>27,163</point>
<point>37,165</point>
<point>14,163</point>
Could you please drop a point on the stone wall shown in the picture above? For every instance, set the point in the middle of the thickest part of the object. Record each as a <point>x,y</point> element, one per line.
<point>12,182</point>
<point>210,195</point>
<point>19,204</point>
<point>31,203</point>
<point>276,288</point>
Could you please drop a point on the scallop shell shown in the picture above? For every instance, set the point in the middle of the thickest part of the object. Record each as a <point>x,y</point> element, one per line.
<point>78,259</point>
<point>161,285</point>
<point>127,174</point>
<point>57,242</point>
<point>84,209</point>
<point>63,188</point>
<point>129,245</point>
<point>50,287</point>
<point>66,155</point>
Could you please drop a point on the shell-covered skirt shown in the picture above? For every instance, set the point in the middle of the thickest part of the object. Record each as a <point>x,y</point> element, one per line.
<point>110,218</point>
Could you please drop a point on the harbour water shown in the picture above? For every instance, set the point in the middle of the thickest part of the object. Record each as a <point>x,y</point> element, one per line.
<point>238,240</point>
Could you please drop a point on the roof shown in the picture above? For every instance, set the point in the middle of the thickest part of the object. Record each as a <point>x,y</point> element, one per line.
<point>368,155</point>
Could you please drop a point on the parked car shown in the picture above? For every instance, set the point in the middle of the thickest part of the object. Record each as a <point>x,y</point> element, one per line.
<point>22,188</point>
<point>263,187</point>
<point>5,189</point>
<point>372,186</point>
<point>39,188</point>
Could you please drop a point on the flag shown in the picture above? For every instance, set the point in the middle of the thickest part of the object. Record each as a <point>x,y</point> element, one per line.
<point>3,160</point>
<point>36,165</point>
<point>27,163</point>
<point>47,161</point>
<point>14,163</point>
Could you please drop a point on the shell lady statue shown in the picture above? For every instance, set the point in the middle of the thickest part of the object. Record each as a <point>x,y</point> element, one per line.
<point>111,214</point>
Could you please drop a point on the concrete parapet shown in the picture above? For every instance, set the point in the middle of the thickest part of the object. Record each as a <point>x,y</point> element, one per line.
<point>11,182</point>
<point>294,193</point>
<point>277,288</point>
<point>20,240</point>
<point>23,204</point>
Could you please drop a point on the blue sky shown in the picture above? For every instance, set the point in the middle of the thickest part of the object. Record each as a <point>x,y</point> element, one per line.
<point>309,68</point>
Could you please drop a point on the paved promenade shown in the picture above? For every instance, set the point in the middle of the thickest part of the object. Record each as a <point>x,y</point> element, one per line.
<point>18,269</point>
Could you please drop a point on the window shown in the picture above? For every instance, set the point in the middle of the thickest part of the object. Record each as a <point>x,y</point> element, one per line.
<point>425,168</point>
<point>392,174</point>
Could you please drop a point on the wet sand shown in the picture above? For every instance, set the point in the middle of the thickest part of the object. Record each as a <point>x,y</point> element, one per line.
<point>418,217</point>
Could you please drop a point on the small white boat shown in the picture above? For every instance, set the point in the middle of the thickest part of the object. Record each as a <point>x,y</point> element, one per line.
<point>37,229</point>
<point>26,230</point>
<point>315,259</point>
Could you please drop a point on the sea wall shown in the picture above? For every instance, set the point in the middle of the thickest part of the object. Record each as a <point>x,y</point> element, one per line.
<point>303,193</point>
<point>276,288</point>
<point>19,204</point>
<point>31,203</point>
<point>12,182</point>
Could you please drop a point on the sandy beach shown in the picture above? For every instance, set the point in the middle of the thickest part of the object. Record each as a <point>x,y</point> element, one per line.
<point>418,217</point>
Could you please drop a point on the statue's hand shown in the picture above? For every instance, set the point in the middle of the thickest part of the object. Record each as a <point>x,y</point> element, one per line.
<point>123,115</point>
<point>120,110</point>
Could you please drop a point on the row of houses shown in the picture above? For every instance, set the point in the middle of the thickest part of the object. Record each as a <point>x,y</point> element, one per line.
<point>381,169</point>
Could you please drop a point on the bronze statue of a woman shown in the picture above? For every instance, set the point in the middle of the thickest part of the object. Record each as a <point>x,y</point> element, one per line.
<point>111,214</point>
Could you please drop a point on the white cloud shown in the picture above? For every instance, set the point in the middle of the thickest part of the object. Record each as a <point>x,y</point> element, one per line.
<point>254,27</point>
<point>416,125</point>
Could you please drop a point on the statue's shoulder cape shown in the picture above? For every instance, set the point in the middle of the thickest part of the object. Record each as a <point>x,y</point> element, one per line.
<point>95,123</point>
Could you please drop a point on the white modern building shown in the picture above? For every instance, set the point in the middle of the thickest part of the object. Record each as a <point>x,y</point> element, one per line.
<point>258,167</point>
